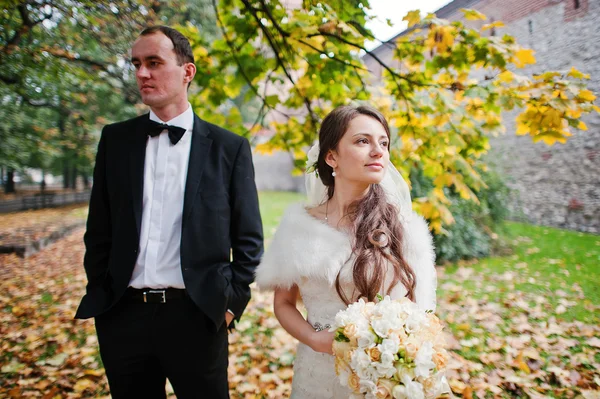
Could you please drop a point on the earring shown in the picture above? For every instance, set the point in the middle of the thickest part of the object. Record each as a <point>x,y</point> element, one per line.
<point>333,173</point>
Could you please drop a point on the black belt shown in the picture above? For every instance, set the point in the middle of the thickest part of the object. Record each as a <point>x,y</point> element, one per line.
<point>155,295</point>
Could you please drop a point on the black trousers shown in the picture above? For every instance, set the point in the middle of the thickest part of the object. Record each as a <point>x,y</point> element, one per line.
<point>143,344</point>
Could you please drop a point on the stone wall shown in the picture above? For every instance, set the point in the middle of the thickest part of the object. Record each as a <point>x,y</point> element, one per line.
<point>557,185</point>
<point>274,172</point>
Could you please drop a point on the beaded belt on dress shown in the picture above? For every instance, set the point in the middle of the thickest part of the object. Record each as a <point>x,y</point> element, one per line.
<point>320,327</point>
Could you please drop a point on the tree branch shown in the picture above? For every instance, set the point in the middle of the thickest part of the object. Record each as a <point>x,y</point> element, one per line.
<point>280,62</point>
<point>66,55</point>
<point>238,63</point>
<point>9,80</point>
<point>393,73</point>
<point>26,25</point>
<point>334,57</point>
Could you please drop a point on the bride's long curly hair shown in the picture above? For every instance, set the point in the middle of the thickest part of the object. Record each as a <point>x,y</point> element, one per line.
<point>376,227</point>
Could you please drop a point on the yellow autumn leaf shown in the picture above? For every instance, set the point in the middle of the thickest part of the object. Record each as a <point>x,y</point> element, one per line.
<point>436,226</point>
<point>522,129</point>
<point>578,74</point>
<point>426,210</point>
<point>441,120</point>
<point>443,180</point>
<point>559,94</point>
<point>473,15</point>
<point>524,57</point>
<point>550,138</point>
<point>445,78</point>
<point>521,364</point>
<point>200,51</point>
<point>264,148</point>
<point>439,194</point>
<point>574,113</point>
<point>94,372</point>
<point>586,95</point>
<point>450,150</point>
<point>506,76</point>
<point>299,153</point>
<point>83,384</point>
<point>413,18</point>
<point>447,38</point>
<point>441,38</point>
<point>464,191</point>
<point>582,126</point>
<point>551,119</point>
<point>17,311</point>
<point>497,24</point>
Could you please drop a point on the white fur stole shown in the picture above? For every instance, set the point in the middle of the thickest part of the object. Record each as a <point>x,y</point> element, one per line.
<point>305,247</point>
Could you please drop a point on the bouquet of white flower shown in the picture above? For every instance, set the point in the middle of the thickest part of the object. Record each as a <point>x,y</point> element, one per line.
<point>390,349</point>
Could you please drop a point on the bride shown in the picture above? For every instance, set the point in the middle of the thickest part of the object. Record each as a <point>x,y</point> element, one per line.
<point>358,237</point>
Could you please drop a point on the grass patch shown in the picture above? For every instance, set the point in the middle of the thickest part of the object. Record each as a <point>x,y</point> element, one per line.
<point>272,206</point>
<point>559,265</point>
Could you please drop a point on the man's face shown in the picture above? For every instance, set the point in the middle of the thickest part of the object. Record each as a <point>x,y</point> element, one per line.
<point>160,79</point>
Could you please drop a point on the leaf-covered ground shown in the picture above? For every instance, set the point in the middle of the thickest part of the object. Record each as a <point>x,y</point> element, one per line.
<point>20,228</point>
<point>525,325</point>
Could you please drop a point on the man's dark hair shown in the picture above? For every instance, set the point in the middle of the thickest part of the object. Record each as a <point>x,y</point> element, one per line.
<point>181,44</point>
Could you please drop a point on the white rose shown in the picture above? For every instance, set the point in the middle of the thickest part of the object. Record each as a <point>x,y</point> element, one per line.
<point>369,373</point>
<point>399,392</point>
<point>360,360</point>
<point>386,370</point>
<point>415,321</point>
<point>403,372</point>
<point>352,315</point>
<point>383,326</point>
<point>366,338</point>
<point>384,388</point>
<point>414,390</point>
<point>368,387</point>
<point>313,155</point>
<point>441,385</point>
<point>423,360</point>
<point>391,344</point>
<point>387,358</point>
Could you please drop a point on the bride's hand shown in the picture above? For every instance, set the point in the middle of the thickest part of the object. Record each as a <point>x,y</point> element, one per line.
<point>322,341</point>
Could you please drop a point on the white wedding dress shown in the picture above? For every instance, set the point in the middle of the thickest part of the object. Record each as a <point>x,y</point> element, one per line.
<point>309,253</point>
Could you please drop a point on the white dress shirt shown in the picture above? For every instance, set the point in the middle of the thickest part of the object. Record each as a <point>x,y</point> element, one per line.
<point>165,172</point>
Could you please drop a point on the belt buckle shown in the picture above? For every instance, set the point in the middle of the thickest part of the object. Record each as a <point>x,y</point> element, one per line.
<point>163,299</point>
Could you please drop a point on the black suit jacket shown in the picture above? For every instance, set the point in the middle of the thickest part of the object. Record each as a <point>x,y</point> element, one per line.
<point>221,238</point>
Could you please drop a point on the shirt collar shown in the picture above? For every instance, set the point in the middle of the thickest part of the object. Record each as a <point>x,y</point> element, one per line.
<point>184,120</point>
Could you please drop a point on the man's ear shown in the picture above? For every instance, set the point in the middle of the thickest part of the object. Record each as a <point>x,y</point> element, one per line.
<point>190,72</point>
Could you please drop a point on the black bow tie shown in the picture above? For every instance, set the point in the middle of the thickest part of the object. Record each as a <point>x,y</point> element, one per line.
<point>175,132</point>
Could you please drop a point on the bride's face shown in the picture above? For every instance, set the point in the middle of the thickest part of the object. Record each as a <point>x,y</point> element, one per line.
<point>362,154</point>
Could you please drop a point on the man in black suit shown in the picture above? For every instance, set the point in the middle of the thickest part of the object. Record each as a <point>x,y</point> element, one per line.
<point>173,235</point>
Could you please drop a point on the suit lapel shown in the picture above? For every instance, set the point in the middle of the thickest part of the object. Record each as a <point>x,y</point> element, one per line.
<point>198,155</point>
<point>136,168</point>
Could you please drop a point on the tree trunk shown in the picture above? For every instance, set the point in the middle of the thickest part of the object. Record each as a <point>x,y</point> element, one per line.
<point>66,175</point>
<point>74,178</point>
<point>67,159</point>
<point>86,181</point>
<point>43,182</point>
<point>9,185</point>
